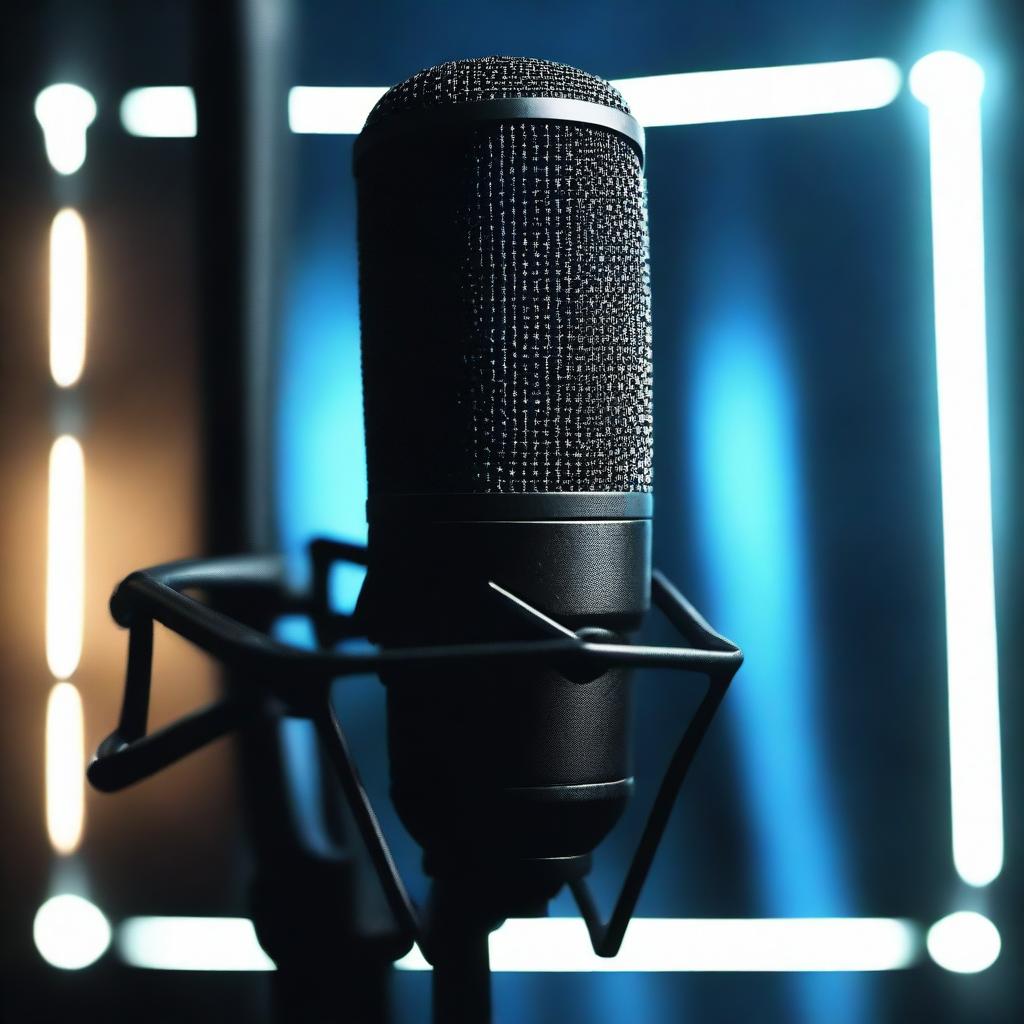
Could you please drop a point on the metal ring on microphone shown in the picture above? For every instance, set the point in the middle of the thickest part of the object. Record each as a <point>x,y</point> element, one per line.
<point>513,108</point>
<point>511,506</point>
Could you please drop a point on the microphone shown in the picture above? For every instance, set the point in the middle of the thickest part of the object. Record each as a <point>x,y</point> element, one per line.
<point>506,350</point>
<point>506,353</point>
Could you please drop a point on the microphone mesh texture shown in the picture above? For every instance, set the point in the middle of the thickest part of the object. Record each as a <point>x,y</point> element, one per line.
<point>504,293</point>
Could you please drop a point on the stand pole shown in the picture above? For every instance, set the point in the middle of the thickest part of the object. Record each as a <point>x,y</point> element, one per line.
<point>462,979</point>
<point>459,945</point>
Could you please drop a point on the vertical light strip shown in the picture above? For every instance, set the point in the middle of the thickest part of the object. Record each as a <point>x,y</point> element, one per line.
<point>68,288</point>
<point>65,557</point>
<point>950,86</point>
<point>65,112</point>
<point>65,768</point>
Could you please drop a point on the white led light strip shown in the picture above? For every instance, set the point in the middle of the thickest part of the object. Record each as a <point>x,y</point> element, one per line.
<point>699,97</point>
<point>562,944</point>
<point>950,86</point>
<point>69,931</point>
<point>65,546</point>
<point>159,111</point>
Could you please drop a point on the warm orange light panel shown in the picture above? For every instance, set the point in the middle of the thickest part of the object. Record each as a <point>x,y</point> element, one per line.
<point>68,286</point>
<point>65,557</point>
<point>65,768</point>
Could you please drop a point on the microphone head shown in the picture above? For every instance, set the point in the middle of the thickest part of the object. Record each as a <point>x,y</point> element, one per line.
<point>504,286</point>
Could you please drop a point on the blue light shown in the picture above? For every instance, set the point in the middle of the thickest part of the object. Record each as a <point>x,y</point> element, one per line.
<point>750,531</point>
<point>321,461</point>
<point>301,767</point>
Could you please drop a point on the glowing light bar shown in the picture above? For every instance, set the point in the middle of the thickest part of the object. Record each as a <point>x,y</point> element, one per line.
<point>65,768</point>
<point>192,944</point>
<point>747,94</point>
<point>561,944</point>
<point>64,112</point>
<point>950,86</point>
<point>314,110</point>
<point>964,942</point>
<point>68,289</point>
<point>70,932</point>
<point>159,112</point>
<point>705,944</point>
<point>691,98</point>
<point>65,557</point>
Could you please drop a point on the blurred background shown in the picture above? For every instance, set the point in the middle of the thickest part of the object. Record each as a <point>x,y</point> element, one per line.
<point>180,375</point>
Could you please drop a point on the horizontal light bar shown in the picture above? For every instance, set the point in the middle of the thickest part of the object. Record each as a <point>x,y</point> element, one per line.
<point>64,112</point>
<point>65,557</point>
<point>561,944</point>
<point>315,110</point>
<point>705,944</point>
<point>159,112</point>
<point>65,768</point>
<point>70,932</point>
<point>689,98</point>
<point>68,297</point>
<point>192,944</point>
<point>746,94</point>
<point>950,85</point>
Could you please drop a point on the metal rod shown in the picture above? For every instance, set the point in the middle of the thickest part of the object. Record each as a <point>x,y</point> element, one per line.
<point>607,938</point>
<point>462,975</point>
<point>402,907</point>
<point>135,708</point>
<point>120,763</point>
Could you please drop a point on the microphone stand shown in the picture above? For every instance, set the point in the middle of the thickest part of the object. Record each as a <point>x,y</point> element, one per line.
<point>459,928</point>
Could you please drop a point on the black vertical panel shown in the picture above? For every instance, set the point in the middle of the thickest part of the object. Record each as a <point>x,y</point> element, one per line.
<point>300,895</point>
<point>223,188</point>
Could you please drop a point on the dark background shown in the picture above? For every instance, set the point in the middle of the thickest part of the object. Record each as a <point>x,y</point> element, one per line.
<point>797,481</point>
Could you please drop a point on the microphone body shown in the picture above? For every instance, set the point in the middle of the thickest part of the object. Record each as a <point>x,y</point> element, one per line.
<point>506,762</point>
<point>505,316</point>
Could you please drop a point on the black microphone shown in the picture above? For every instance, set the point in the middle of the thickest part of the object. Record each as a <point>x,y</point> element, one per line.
<point>506,351</point>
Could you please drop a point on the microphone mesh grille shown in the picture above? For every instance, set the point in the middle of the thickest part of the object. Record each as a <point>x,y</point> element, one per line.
<point>505,296</point>
<point>494,78</point>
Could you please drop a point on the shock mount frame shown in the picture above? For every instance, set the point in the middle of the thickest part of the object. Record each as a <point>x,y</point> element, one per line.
<point>294,681</point>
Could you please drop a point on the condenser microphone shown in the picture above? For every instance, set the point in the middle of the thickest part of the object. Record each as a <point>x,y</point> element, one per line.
<point>506,353</point>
